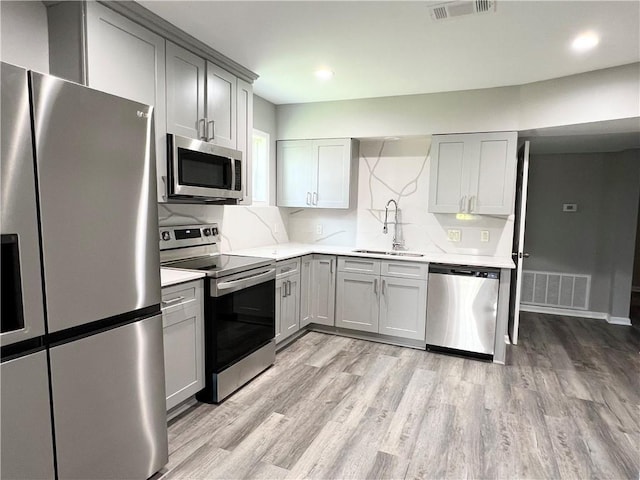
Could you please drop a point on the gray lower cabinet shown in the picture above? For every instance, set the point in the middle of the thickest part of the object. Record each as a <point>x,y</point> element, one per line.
<point>318,290</point>
<point>358,297</point>
<point>287,298</point>
<point>183,326</point>
<point>394,303</point>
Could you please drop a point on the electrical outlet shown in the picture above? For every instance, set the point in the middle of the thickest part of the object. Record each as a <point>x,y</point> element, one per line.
<point>484,235</point>
<point>453,235</point>
<point>319,229</point>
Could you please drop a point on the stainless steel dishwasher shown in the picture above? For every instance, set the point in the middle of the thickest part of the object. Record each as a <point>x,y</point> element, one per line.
<point>462,304</point>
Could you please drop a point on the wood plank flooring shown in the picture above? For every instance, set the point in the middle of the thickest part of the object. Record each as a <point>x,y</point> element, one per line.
<point>566,405</point>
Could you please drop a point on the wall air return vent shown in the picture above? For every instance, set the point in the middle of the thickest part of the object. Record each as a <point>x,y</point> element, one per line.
<point>448,10</point>
<point>554,289</point>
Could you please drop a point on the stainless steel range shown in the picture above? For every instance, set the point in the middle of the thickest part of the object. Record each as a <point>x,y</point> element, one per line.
<point>239,307</point>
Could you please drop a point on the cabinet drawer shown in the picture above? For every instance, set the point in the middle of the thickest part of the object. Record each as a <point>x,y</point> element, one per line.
<point>179,300</point>
<point>287,267</point>
<point>359,265</point>
<point>418,271</point>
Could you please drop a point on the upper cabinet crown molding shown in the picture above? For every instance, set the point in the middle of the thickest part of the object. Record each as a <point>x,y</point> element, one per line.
<point>68,56</point>
<point>136,12</point>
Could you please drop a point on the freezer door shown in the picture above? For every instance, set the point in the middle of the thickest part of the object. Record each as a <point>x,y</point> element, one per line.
<point>27,446</point>
<point>461,312</point>
<point>22,316</point>
<point>109,403</point>
<point>96,172</point>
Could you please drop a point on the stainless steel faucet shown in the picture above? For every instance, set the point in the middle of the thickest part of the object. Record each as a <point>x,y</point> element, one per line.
<point>395,243</point>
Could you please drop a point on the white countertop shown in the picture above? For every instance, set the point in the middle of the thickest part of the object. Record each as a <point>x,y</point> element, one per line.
<point>283,251</point>
<point>171,276</point>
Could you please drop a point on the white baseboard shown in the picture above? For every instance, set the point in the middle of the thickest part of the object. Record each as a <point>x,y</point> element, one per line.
<point>619,320</point>
<point>566,312</point>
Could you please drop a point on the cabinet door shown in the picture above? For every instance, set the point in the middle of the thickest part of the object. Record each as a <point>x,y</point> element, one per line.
<point>128,60</point>
<point>357,297</point>
<point>332,176</point>
<point>446,180</point>
<point>280,291</point>
<point>244,133</point>
<point>221,106</point>
<point>185,92</point>
<point>290,319</point>
<point>307,285</point>
<point>493,174</point>
<point>295,167</point>
<point>324,289</point>
<point>183,329</point>
<point>403,308</point>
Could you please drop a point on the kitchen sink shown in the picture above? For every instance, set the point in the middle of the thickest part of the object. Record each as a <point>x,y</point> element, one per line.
<point>382,252</point>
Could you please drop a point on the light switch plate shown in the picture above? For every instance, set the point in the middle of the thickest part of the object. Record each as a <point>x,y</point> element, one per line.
<point>570,207</point>
<point>319,229</point>
<point>453,235</point>
<point>484,235</point>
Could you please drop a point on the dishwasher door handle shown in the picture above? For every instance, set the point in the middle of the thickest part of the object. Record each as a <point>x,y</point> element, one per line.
<point>463,272</point>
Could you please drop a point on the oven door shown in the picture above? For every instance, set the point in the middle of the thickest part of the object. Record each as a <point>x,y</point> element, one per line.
<point>240,317</point>
<point>200,169</point>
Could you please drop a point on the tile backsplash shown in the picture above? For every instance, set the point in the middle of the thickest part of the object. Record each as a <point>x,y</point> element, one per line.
<point>389,169</point>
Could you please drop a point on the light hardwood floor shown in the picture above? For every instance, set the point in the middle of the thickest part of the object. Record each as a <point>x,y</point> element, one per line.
<point>566,405</point>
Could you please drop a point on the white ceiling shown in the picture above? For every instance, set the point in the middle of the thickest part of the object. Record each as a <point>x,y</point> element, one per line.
<point>384,48</point>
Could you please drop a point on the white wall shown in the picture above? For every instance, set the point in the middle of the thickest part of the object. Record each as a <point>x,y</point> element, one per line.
<point>398,170</point>
<point>24,34</point>
<point>590,97</point>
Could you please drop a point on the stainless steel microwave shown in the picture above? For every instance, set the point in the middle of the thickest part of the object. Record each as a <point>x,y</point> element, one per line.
<point>202,172</point>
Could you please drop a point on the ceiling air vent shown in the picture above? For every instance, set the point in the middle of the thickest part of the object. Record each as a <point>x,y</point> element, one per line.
<point>448,10</point>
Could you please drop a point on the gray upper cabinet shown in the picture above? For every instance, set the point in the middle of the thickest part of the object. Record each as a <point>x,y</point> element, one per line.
<point>201,98</point>
<point>185,92</point>
<point>221,106</point>
<point>112,54</point>
<point>473,173</point>
<point>244,135</point>
<point>317,173</point>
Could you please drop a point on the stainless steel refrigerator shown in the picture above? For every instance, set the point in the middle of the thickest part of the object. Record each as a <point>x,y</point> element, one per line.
<point>78,180</point>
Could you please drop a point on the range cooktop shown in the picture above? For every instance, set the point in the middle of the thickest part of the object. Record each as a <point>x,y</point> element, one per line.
<point>216,266</point>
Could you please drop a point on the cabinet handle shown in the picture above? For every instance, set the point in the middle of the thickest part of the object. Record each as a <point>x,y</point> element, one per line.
<point>284,289</point>
<point>308,198</point>
<point>331,266</point>
<point>288,287</point>
<point>383,285</point>
<point>375,286</point>
<point>212,124</point>
<point>201,128</point>
<point>172,301</point>
<point>315,198</point>
<point>464,203</point>
<point>470,200</point>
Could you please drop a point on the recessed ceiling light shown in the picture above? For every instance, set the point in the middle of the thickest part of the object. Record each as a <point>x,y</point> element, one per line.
<point>585,41</point>
<point>324,74</point>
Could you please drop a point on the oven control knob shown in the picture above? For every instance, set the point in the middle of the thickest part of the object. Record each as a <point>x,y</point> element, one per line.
<point>215,230</point>
<point>166,236</point>
<point>206,231</point>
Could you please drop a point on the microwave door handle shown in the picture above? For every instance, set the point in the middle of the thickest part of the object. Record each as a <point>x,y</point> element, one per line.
<point>211,127</point>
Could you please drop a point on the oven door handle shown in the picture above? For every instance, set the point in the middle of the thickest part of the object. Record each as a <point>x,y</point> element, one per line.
<point>246,281</point>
